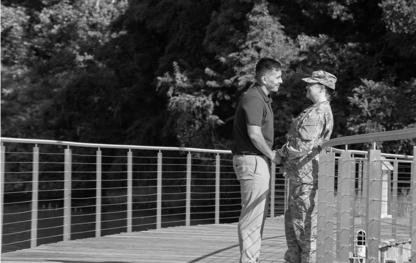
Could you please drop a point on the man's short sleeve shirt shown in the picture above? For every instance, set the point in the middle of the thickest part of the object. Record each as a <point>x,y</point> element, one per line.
<point>255,109</point>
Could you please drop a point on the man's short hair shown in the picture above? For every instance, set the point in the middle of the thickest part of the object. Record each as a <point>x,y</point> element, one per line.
<point>266,64</point>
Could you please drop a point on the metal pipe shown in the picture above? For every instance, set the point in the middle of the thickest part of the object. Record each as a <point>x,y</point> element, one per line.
<point>114,146</point>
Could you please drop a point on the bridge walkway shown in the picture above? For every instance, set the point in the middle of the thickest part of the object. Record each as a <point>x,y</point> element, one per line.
<point>200,243</point>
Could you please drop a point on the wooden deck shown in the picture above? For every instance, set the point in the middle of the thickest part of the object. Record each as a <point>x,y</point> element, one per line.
<point>202,243</point>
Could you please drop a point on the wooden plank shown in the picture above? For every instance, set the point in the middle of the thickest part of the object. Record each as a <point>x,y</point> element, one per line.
<point>322,238</point>
<point>373,205</point>
<point>360,185</point>
<point>286,182</point>
<point>203,243</point>
<point>331,209</point>
<point>386,169</point>
<point>272,188</point>
<point>345,194</point>
<point>365,190</point>
<point>373,137</point>
<point>394,201</point>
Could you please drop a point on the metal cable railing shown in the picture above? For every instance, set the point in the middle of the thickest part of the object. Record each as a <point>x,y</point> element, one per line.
<point>54,191</point>
<point>367,202</point>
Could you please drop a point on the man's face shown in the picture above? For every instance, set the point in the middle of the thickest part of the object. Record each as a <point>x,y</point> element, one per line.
<point>272,80</point>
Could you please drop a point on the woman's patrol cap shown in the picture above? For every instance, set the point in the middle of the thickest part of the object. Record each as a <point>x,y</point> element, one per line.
<point>322,77</point>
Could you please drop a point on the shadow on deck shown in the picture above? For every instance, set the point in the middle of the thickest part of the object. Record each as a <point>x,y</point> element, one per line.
<point>201,243</point>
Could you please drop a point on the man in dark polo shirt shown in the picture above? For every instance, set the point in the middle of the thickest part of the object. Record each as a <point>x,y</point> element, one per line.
<point>252,152</point>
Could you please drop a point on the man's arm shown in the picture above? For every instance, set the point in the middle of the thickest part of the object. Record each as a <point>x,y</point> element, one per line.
<point>257,138</point>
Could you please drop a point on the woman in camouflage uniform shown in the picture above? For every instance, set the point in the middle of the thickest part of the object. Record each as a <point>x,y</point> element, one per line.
<point>300,159</point>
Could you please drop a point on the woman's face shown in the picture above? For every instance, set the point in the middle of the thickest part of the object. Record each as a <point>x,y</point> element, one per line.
<point>313,91</point>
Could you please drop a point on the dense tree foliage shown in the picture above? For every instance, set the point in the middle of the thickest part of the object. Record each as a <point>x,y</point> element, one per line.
<point>169,72</point>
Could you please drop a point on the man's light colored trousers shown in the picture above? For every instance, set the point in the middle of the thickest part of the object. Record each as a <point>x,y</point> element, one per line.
<point>253,172</point>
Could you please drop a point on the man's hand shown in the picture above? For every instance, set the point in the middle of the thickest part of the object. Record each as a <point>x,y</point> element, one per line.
<point>256,136</point>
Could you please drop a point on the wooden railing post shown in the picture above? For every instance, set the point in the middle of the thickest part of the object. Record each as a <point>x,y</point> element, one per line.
<point>359,191</point>
<point>360,180</point>
<point>2,181</point>
<point>217,189</point>
<point>386,169</point>
<point>67,194</point>
<point>188,189</point>
<point>326,208</point>
<point>129,191</point>
<point>272,188</point>
<point>413,217</point>
<point>35,197</point>
<point>159,191</point>
<point>373,213</point>
<point>345,203</point>
<point>98,189</point>
<point>286,193</point>
<point>364,194</point>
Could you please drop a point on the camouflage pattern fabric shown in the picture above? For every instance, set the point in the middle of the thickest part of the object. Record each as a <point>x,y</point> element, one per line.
<point>300,159</point>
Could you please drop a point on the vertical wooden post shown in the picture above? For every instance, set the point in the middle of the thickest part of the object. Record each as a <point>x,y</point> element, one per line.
<point>360,179</point>
<point>365,192</point>
<point>2,181</point>
<point>326,209</point>
<point>353,195</point>
<point>217,188</point>
<point>331,220</point>
<point>413,217</point>
<point>386,169</point>
<point>390,187</point>
<point>286,193</point>
<point>35,197</point>
<point>188,189</point>
<point>129,191</point>
<point>373,205</point>
<point>159,191</point>
<point>345,194</point>
<point>394,201</point>
<point>67,194</point>
<point>360,188</point>
<point>272,188</point>
<point>98,189</point>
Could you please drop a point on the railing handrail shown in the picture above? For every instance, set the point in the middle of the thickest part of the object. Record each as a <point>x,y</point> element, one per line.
<point>368,169</point>
<point>403,134</point>
<point>386,155</point>
<point>395,135</point>
<point>113,146</point>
